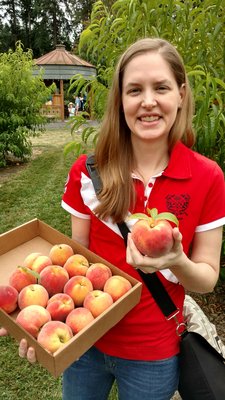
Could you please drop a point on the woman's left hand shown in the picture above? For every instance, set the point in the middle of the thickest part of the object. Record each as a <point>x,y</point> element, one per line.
<point>150,264</point>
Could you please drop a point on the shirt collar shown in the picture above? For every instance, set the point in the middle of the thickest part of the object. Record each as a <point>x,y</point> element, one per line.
<point>179,163</point>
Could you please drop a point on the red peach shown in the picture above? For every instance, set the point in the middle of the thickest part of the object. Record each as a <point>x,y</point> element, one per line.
<point>32,318</point>
<point>117,286</point>
<point>54,335</point>
<point>78,318</point>
<point>21,277</point>
<point>59,253</point>
<point>76,264</point>
<point>53,278</point>
<point>98,274</point>
<point>153,238</point>
<point>78,287</point>
<point>59,306</point>
<point>8,298</point>
<point>33,294</point>
<point>97,301</point>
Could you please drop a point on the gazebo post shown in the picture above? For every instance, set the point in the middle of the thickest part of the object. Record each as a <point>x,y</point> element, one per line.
<point>62,99</point>
<point>61,65</point>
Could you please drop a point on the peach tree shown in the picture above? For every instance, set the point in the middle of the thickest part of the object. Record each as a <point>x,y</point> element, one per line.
<point>21,97</point>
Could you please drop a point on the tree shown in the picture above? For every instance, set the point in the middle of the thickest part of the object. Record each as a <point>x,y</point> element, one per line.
<point>196,28</point>
<point>21,97</point>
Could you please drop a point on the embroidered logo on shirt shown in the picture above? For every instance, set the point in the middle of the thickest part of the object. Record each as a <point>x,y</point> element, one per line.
<point>178,204</point>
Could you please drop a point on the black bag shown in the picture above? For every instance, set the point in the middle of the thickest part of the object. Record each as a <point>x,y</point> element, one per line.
<point>202,368</point>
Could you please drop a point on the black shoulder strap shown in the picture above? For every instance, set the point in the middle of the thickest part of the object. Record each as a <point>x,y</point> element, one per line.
<point>152,281</point>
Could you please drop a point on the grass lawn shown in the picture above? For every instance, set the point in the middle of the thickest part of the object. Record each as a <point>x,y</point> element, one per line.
<point>35,190</point>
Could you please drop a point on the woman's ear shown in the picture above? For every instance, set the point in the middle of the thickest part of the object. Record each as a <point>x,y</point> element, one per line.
<point>182,92</point>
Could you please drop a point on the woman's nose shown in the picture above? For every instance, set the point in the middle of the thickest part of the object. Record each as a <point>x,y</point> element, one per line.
<point>149,100</point>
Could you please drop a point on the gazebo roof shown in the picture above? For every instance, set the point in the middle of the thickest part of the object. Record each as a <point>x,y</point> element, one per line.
<point>60,64</point>
<point>60,56</point>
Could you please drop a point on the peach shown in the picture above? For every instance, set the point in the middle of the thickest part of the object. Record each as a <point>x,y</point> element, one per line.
<point>97,301</point>
<point>33,294</point>
<point>76,265</point>
<point>28,261</point>
<point>8,298</point>
<point>78,318</point>
<point>32,318</point>
<point>40,263</point>
<point>117,286</point>
<point>54,335</point>
<point>59,253</point>
<point>78,287</point>
<point>22,277</point>
<point>98,274</point>
<point>59,306</point>
<point>153,238</point>
<point>53,278</point>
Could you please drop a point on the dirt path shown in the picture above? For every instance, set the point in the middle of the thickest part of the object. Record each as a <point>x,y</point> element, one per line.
<point>56,134</point>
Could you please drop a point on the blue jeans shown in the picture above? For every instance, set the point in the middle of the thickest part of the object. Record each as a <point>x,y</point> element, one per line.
<point>92,376</point>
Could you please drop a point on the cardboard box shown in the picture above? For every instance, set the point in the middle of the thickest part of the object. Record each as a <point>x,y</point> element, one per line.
<point>37,236</point>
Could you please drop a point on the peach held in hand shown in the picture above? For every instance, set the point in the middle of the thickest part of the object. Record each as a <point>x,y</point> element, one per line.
<point>77,288</point>
<point>98,274</point>
<point>117,286</point>
<point>33,294</point>
<point>53,278</point>
<point>59,306</point>
<point>22,277</point>
<point>8,298</point>
<point>97,301</point>
<point>59,253</point>
<point>76,265</point>
<point>54,335</point>
<point>153,235</point>
<point>78,318</point>
<point>32,318</point>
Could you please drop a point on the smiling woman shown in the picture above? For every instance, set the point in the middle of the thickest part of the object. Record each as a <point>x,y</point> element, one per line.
<point>144,160</point>
<point>157,144</point>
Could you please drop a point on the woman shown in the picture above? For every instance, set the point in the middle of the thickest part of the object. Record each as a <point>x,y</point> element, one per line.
<point>144,160</point>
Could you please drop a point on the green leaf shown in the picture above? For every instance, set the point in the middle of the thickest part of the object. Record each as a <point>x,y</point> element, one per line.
<point>139,216</point>
<point>153,212</point>
<point>168,216</point>
<point>30,271</point>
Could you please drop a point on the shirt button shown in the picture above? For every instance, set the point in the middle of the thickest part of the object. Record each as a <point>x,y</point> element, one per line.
<point>145,198</point>
<point>150,184</point>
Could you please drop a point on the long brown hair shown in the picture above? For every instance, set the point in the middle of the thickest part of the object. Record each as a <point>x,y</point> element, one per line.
<point>114,154</point>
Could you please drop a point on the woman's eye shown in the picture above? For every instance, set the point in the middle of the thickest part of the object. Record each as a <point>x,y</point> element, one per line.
<point>134,91</point>
<point>162,88</point>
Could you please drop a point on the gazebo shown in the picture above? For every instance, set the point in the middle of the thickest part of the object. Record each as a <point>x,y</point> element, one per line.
<point>59,65</point>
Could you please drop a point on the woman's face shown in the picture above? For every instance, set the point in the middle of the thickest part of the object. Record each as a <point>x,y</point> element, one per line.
<point>150,97</point>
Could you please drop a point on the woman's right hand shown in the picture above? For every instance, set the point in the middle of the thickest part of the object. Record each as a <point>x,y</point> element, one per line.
<point>3,332</point>
<point>24,350</point>
<point>27,352</point>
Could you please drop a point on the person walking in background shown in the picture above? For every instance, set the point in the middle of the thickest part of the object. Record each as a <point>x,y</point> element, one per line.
<point>144,160</point>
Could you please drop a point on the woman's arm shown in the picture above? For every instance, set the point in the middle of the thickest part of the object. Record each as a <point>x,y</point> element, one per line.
<point>80,230</point>
<point>199,273</point>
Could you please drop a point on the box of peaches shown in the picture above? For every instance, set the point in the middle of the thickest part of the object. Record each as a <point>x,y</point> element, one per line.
<point>58,295</point>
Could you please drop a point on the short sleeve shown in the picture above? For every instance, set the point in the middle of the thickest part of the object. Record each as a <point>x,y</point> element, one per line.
<point>72,200</point>
<point>213,211</point>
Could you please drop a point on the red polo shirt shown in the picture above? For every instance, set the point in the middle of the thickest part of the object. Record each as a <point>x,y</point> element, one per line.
<point>192,187</point>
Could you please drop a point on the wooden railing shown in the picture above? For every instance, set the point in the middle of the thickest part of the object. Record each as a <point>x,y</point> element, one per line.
<point>51,111</point>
